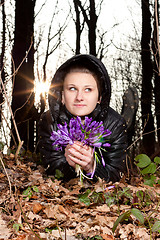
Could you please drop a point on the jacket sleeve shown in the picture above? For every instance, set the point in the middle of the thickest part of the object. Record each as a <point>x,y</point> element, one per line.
<point>51,158</point>
<point>115,155</point>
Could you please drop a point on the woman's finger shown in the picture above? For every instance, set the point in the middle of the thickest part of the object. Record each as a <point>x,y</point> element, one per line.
<point>83,149</point>
<point>80,154</point>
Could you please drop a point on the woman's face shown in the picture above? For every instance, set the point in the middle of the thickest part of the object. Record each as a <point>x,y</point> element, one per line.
<point>80,93</point>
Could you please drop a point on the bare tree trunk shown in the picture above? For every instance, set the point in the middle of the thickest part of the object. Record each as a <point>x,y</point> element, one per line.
<point>92,28</point>
<point>91,21</point>
<point>78,27</point>
<point>147,88</point>
<point>155,47</point>
<point>23,86</point>
<point>2,69</point>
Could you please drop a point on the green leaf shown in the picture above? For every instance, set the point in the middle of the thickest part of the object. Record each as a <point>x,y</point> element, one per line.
<point>27,192</point>
<point>47,230</point>
<point>109,200</point>
<point>35,189</point>
<point>95,197</point>
<point>150,180</point>
<point>98,237</point>
<point>156,226</point>
<point>121,218</point>
<point>128,195</point>
<point>151,177</point>
<point>85,200</point>
<point>140,195</point>
<point>29,195</point>
<point>157,160</point>
<point>150,169</point>
<point>143,160</point>
<point>16,226</point>
<point>58,174</point>
<point>84,197</point>
<point>86,193</point>
<point>158,181</point>
<point>138,214</point>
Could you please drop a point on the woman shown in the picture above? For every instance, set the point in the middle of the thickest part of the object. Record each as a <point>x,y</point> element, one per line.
<point>81,87</point>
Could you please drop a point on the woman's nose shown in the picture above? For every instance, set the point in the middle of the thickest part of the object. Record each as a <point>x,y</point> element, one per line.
<point>79,95</point>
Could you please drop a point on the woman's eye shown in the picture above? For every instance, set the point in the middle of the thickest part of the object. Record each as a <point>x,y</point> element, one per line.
<point>72,88</point>
<point>88,90</point>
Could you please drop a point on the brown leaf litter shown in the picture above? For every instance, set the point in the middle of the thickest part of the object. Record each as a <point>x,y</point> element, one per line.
<point>53,209</point>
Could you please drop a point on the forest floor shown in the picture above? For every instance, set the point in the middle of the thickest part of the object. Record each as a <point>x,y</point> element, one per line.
<point>34,206</point>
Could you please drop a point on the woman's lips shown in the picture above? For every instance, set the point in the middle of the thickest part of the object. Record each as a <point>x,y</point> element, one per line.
<point>79,105</point>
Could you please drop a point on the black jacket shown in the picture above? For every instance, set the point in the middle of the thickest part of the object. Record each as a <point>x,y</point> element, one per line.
<point>115,155</point>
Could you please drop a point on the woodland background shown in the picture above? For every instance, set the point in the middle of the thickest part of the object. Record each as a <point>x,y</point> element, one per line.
<point>35,206</point>
<point>135,62</point>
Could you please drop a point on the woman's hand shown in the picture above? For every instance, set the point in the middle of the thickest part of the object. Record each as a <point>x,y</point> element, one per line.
<point>80,154</point>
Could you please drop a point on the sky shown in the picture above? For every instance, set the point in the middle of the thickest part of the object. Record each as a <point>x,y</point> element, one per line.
<point>126,13</point>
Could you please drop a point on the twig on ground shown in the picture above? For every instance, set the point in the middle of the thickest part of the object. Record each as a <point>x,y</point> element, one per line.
<point>25,218</point>
<point>10,188</point>
<point>18,150</point>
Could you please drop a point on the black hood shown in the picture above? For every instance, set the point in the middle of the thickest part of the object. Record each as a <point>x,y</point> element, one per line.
<point>90,62</point>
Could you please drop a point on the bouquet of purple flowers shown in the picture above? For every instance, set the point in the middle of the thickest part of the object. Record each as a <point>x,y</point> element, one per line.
<point>91,133</point>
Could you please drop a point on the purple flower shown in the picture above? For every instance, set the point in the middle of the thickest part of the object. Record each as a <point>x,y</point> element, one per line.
<point>91,133</point>
<point>106,145</point>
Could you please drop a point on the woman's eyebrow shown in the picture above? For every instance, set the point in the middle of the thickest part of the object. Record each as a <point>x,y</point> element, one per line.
<point>89,86</point>
<point>69,84</point>
<point>72,84</point>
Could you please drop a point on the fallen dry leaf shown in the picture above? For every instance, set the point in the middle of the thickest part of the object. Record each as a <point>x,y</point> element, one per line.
<point>2,175</point>
<point>21,237</point>
<point>37,207</point>
<point>63,210</point>
<point>107,237</point>
<point>49,211</point>
<point>5,233</point>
